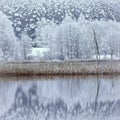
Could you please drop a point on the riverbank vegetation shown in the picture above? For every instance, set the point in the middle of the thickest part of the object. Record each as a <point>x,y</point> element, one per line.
<point>60,68</point>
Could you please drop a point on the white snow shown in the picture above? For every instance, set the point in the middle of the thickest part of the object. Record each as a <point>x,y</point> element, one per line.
<point>39,51</point>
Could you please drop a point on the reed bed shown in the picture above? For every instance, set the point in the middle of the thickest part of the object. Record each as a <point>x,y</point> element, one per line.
<point>59,68</point>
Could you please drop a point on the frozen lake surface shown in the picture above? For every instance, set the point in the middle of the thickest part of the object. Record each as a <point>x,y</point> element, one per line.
<point>60,98</point>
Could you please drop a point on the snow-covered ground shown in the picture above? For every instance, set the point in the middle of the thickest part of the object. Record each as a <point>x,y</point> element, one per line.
<point>59,98</point>
<point>107,57</point>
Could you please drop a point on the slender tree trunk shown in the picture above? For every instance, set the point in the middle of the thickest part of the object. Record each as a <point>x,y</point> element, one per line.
<point>98,62</point>
<point>96,47</point>
<point>24,53</point>
<point>111,54</point>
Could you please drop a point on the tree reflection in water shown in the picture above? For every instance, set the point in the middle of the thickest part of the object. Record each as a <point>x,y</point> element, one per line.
<point>62,98</point>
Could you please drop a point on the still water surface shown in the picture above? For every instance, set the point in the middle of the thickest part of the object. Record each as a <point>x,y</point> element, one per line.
<point>60,98</point>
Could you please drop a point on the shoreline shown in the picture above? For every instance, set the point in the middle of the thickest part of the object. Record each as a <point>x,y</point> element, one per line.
<point>60,68</point>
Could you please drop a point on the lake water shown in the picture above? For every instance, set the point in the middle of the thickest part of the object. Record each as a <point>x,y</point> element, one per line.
<point>60,98</point>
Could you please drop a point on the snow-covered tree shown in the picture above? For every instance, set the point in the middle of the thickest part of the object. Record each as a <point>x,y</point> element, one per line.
<point>7,39</point>
<point>25,46</point>
<point>113,39</point>
<point>67,40</point>
<point>107,36</point>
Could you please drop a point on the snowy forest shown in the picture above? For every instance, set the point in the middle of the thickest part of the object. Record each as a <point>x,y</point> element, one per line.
<point>59,30</point>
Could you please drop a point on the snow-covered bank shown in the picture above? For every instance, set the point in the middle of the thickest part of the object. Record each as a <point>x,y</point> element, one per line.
<point>60,68</point>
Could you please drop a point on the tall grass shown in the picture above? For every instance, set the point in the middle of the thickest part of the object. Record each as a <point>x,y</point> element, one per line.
<point>59,68</point>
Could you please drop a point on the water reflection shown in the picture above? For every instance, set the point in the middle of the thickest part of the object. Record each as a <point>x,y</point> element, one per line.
<point>59,98</point>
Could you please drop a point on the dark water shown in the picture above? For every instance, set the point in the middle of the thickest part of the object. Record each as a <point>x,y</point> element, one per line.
<point>60,98</point>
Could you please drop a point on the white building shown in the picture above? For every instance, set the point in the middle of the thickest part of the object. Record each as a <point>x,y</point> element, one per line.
<point>38,53</point>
